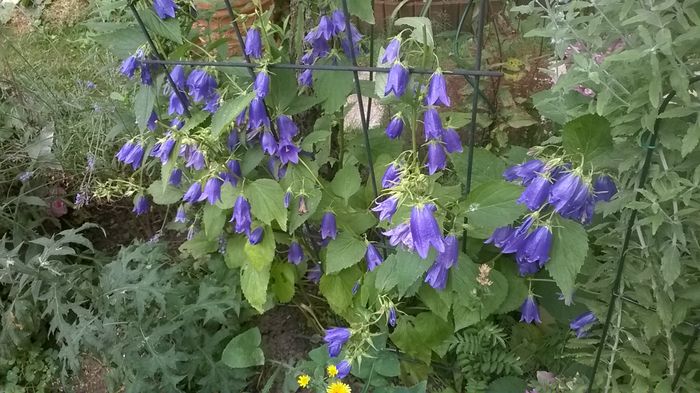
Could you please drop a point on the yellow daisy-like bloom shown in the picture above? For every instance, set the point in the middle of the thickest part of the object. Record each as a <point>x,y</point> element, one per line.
<point>332,370</point>
<point>303,381</point>
<point>338,387</point>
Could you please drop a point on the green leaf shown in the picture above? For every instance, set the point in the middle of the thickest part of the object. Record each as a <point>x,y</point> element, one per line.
<point>196,119</point>
<point>491,205</point>
<point>266,199</point>
<point>254,285</point>
<point>507,385</point>
<point>311,201</point>
<point>166,28</point>
<point>587,136</point>
<point>199,246</point>
<point>439,302</point>
<point>261,255</point>
<point>123,42</point>
<point>420,387</point>
<point>400,270</point>
<point>337,289</point>
<point>517,288</point>
<point>214,220</point>
<point>164,195</point>
<point>670,265</point>
<point>422,29</point>
<point>362,9</point>
<point>333,88</point>
<point>228,112</point>
<point>284,90</point>
<point>486,166</point>
<point>343,252</point>
<point>143,105</point>
<point>569,249</point>
<point>346,182</point>
<point>235,256</point>
<point>418,335</point>
<point>282,281</point>
<point>691,139</point>
<point>244,350</point>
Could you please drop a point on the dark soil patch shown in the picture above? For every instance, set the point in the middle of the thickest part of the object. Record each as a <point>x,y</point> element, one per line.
<point>286,337</point>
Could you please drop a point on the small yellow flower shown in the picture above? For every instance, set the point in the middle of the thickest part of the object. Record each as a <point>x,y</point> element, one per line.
<point>338,387</point>
<point>332,370</point>
<point>303,381</point>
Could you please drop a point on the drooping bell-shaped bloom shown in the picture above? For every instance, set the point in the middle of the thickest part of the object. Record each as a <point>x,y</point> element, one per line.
<point>450,138</point>
<point>175,177</point>
<point>234,172</point>
<point>397,80</point>
<point>212,190</point>
<point>178,76</point>
<point>181,215</point>
<point>391,53</point>
<point>307,58</point>
<point>232,140</point>
<point>582,324</point>
<point>314,274</point>
<point>200,85</point>
<point>356,37</point>
<point>392,176</point>
<point>500,236</point>
<point>141,205</point>
<point>257,115</point>
<point>529,312</point>
<point>256,236</point>
<point>343,368</point>
<point>152,121</point>
<point>286,127</point>
<point>328,226</point>
<point>268,143</point>
<point>425,230</point>
<point>164,8</point>
<point>517,237</point>
<point>241,215</point>
<point>240,119</point>
<point>386,208</point>
<point>133,156</point>
<point>437,160</point>
<point>536,247</point>
<point>391,319</point>
<point>176,123</point>
<point>437,90</point>
<point>432,125</point>
<point>131,63</point>
<point>287,198</point>
<point>569,195</point>
<point>449,257</point>
<point>176,105</point>
<point>124,151</point>
<point>372,257</point>
<point>325,28</point>
<point>146,78</point>
<point>526,171</point>
<point>536,193</point>
<point>335,338</point>
<point>193,193</point>
<point>395,127</point>
<point>253,43</point>
<point>401,234</point>
<point>603,188</point>
<point>305,78</point>
<point>163,150</point>
<point>288,152</point>
<point>437,276</point>
<point>320,48</point>
<point>195,159</point>
<point>296,253</point>
<point>262,84</point>
<point>339,23</point>
<point>211,104</point>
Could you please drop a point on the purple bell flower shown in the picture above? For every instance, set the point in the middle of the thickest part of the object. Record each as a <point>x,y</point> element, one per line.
<point>343,369</point>
<point>181,215</point>
<point>134,156</point>
<point>425,230</point>
<point>386,208</point>
<point>437,90</point>
<point>536,193</point>
<point>391,177</point>
<point>526,171</point>
<point>175,177</point>
<point>529,312</point>
<point>582,324</point>
<point>305,78</point>
<point>517,237</point>
<point>335,338</point>
<point>141,205</point>
<point>372,257</point>
<point>287,199</point>
<point>124,151</point>
<point>603,188</point>
<point>328,226</point>
<point>437,276</point>
<point>325,29</point>
<point>232,140</point>
<point>288,152</point>
<point>295,254</point>
<point>392,51</point>
<point>176,106</point>
<point>356,37</point>
<point>320,48</point>
<point>314,274</point>
<point>200,85</point>
<point>152,120</point>
<point>164,149</point>
<point>307,58</point>
<point>401,234</point>
<point>395,127</point>
<point>286,127</point>
<point>449,257</point>
<point>130,64</point>
<point>256,236</point>
<point>193,193</point>
<point>241,215</point>
<point>500,236</point>
<point>437,160</point>
<point>450,138</point>
<point>257,114</point>
<point>195,159</point>
<point>268,143</point>
<point>432,125</point>
<point>536,247</point>
<point>178,76</point>
<point>253,43</point>
<point>234,172</point>
<point>164,8</point>
<point>146,78</point>
<point>391,319</point>
<point>262,84</point>
<point>212,103</point>
<point>240,119</point>
<point>397,80</point>
<point>176,123</point>
<point>339,23</point>
<point>569,196</point>
<point>212,190</point>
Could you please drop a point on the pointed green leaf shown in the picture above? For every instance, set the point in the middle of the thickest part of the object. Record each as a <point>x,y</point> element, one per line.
<point>261,255</point>
<point>587,137</point>
<point>254,285</point>
<point>266,199</point>
<point>143,105</point>
<point>343,252</point>
<point>491,205</point>
<point>400,270</point>
<point>346,182</point>
<point>214,220</point>
<point>244,350</point>
<point>282,281</point>
<point>337,289</point>
<point>569,249</point>
<point>228,111</point>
